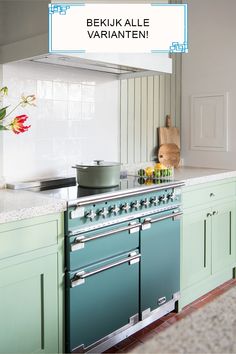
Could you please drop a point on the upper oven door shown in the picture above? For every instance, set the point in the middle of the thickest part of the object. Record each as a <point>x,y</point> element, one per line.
<point>93,246</point>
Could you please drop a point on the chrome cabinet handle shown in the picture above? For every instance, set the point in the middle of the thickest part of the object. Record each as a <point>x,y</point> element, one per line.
<point>81,240</point>
<point>212,195</point>
<point>215,212</point>
<point>79,277</point>
<point>209,214</point>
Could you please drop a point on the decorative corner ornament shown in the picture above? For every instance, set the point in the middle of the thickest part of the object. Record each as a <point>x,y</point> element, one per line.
<point>58,9</point>
<point>177,47</point>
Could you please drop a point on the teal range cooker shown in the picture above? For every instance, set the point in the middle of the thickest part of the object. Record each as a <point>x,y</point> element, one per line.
<point>122,259</point>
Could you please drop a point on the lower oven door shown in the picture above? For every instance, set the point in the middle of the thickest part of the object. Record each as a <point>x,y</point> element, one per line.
<point>160,263</point>
<point>101,299</point>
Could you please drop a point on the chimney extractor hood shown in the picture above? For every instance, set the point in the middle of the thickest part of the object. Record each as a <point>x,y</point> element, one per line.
<point>124,65</point>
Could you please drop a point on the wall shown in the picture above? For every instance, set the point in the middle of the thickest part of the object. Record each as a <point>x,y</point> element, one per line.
<point>1,137</point>
<point>209,67</point>
<point>76,119</point>
<point>145,102</point>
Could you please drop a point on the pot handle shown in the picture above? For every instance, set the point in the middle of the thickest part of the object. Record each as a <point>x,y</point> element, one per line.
<point>98,162</point>
<point>80,167</point>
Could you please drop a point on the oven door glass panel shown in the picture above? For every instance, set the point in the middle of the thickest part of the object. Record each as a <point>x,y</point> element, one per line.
<point>160,262</point>
<point>104,302</point>
<point>93,246</point>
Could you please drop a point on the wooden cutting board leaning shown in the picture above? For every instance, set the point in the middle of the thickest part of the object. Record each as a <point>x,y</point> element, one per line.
<point>169,142</point>
<point>168,134</point>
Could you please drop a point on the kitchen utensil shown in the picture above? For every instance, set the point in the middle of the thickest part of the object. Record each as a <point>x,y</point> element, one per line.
<point>168,134</point>
<point>98,174</point>
<point>169,155</point>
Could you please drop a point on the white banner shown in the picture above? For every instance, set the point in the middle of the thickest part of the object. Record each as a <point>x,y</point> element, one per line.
<point>118,28</point>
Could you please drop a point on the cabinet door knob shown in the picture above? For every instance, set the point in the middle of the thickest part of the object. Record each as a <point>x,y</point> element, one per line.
<point>212,195</point>
<point>209,214</point>
<point>215,212</point>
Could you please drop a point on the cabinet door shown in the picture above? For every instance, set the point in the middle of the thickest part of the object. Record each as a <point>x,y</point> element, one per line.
<point>160,262</point>
<point>223,236</point>
<point>196,247</point>
<point>29,307</point>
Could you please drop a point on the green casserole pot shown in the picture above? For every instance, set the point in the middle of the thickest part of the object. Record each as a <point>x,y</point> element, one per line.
<point>98,174</point>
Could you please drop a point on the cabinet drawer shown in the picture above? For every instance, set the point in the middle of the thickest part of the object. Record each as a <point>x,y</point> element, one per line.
<point>208,194</point>
<point>28,235</point>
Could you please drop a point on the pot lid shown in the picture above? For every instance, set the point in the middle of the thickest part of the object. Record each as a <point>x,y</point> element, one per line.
<point>98,163</point>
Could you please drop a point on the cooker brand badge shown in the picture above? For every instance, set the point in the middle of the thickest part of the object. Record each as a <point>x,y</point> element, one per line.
<point>118,28</point>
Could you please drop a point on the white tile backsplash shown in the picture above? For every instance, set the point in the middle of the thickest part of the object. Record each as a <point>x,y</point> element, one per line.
<point>76,120</point>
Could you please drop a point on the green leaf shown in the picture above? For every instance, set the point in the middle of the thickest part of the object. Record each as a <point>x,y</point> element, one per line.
<point>3,128</point>
<point>3,112</point>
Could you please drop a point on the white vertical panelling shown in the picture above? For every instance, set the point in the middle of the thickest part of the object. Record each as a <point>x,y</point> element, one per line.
<point>150,120</point>
<point>123,121</point>
<point>162,100</point>
<point>156,106</point>
<point>145,102</point>
<point>178,76</point>
<point>173,93</point>
<point>130,120</point>
<point>143,146</point>
<point>137,120</point>
<point>167,95</point>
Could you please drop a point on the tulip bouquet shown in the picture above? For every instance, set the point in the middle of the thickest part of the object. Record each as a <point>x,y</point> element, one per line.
<point>16,125</point>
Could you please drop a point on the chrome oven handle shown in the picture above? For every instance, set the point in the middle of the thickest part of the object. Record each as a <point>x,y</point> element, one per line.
<point>81,240</point>
<point>79,277</point>
<point>173,215</point>
<point>131,193</point>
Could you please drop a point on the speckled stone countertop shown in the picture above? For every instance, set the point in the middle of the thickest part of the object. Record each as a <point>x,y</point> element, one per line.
<point>189,174</point>
<point>211,329</point>
<point>18,205</point>
<point>196,175</point>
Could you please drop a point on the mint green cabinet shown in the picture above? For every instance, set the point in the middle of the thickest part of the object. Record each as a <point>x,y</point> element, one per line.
<point>196,247</point>
<point>223,236</point>
<point>208,238</point>
<point>31,285</point>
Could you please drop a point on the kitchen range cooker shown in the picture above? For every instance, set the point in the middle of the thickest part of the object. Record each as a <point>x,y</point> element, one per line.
<point>122,258</point>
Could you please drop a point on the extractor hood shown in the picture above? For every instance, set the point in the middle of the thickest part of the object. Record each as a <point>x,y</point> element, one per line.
<point>123,65</point>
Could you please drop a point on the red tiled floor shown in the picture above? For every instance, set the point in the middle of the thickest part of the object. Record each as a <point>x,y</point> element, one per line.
<point>156,327</point>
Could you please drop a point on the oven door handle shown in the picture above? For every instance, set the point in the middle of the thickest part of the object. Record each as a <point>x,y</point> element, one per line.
<point>81,240</point>
<point>79,278</point>
<point>148,221</point>
<point>175,216</point>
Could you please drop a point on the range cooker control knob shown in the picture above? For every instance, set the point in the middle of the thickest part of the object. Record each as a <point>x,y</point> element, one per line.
<point>114,209</point>
<point>160,199</point>
<point>165,198</point>
<point>135,204</point>
<point>173,196</point>
<point>154,200</point>
<point>90,215</point>
<point>145,202</point>
<point>125,207</point>
<point>103,212</point>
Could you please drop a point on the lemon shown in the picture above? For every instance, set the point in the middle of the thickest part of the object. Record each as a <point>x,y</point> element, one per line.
<point>158,166</point>
<point>149,171</point>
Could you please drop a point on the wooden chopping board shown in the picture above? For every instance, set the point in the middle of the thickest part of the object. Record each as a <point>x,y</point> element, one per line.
<point>168,134</point>
<point>169,155</point>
